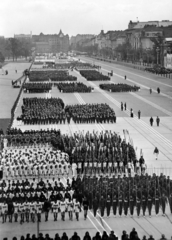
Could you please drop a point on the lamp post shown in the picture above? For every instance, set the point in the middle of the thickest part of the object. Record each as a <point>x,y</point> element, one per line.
<point>157,50</point>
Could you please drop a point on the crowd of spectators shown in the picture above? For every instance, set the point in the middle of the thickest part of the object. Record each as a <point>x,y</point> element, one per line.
<point>37,87</point>
<point>120,87</point>
<point>93,75</point>
<point>133,235</point>
<point>73,87</point>
<point>53,75</point>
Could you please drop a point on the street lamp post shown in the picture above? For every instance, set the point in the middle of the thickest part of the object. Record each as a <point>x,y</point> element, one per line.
<point>157,50</point>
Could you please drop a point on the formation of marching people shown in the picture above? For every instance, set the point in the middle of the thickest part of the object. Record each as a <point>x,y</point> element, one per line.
<point>91,113</point>
<point>126,195</point>
<point>120,87</point>
<point>89,152</point>
<point>54,75</point>
<point>93,75</point>
<point>35,87</point>
<point>73,87</point>
<point>31,162</point>
<point>53,111</point>
<point>41,110</point>
<point>29,200</point>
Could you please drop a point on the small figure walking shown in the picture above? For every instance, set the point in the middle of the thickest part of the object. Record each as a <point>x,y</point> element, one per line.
<point>139,114</point>
<point>150,90</point>
<point>157,121</point>
<point>151,121</point>
<point>125,106</point>
<point>131,113</point>
<point>122,107</point>
<point>156,152</point>
<point>125,77</point>
<point>158,90</point>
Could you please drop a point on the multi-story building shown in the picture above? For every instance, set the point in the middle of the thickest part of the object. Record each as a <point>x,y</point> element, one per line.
<point>80,39</point>
<point>27,37</point>
<point>51,43</point>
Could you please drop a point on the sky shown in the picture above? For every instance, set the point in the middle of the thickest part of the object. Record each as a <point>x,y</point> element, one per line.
<point>77,16</point>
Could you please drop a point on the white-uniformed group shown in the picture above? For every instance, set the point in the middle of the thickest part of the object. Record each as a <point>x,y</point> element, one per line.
<point>33,162</point>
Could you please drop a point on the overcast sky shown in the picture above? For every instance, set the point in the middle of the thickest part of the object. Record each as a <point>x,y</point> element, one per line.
<point>77,16</point>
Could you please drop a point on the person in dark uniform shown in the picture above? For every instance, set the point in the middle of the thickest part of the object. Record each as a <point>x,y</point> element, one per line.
<point>95,206</point>
<point>157,202</point>
<point>149,201</point>
<point>47,207</point>
<point>125,77</point>
<point>120,204</point>
<point>122,106</point>
<point>126,205</point>
<point>170,202</point>
<point>10,210</point>
<point>144,204</point>
<point>114,204</point>
<point>102,206</point>
<point>163,203</point>
<point>131,113</point>
<point>125,106</point>
<point>139,114</point>
<point>158,90</point>
<point>108,205</point>
<point>131,202</point>
<point>85,206</point>
<point>138,204</point>
<point>157,121</point>
<point>151,121</point>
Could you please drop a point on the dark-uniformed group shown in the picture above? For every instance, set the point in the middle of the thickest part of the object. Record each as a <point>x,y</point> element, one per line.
<point>53,75</point>
<point>53,111</point>
<point>120,87</point>
<point>93,75</point>
<point>91,113</point>
<point>35,87</point>
<point>73,87</point>
<point>127,195</point>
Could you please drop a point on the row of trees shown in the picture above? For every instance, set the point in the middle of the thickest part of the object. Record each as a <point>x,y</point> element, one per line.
<point>14,48</point>
<point>127,53</point>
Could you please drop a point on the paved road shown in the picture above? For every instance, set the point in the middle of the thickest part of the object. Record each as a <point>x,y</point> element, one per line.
<point>144,137</point>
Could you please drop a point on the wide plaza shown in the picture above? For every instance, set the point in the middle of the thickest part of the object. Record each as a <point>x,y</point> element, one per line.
<point>144,138</point>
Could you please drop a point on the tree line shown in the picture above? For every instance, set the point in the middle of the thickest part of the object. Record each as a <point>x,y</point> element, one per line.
<point>14,48</point>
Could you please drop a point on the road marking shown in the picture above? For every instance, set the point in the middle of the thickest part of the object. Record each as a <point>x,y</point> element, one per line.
<point>144,125</point>
<point>120,69</point>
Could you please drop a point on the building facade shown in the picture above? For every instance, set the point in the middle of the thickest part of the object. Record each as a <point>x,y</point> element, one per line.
<point>51,43</point>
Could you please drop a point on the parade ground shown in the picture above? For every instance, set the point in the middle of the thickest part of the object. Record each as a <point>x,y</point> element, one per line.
<point>144,137</point>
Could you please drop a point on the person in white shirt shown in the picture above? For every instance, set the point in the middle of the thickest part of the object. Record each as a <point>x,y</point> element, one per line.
<point>74,169</point>
<point>63,209</point>
<point>70,208</point>
<point>55,206</point>
<point>16,211</point>
<point>39,210</point>
<point>77,209</point>
<point>22,212</point>
<point>27,210</point>
<point>32,210</point>
<point>4,211</point>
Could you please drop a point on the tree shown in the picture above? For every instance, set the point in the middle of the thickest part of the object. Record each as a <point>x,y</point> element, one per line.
<point>14,47</point>
<point>2,58</point>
